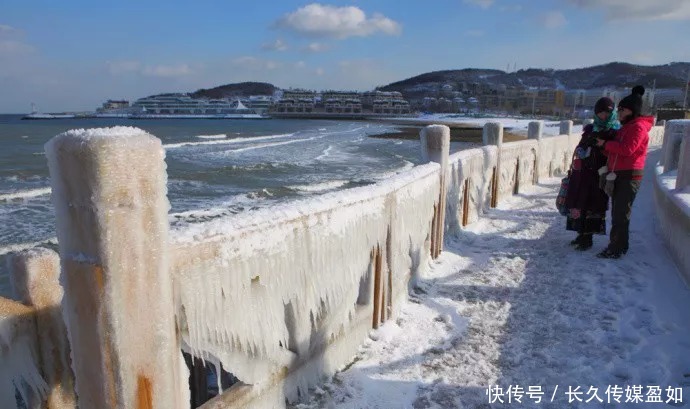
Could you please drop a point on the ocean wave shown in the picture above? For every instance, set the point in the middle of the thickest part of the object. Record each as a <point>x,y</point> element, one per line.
<point>219,136</point>
<point>233,205</point>
<point>326,153</point>
<point>320,187</point>
<point>267,145</point>
<point>24,194</point>
<point>407,165</point>
<point>13,248</point>
<point>226,141</point>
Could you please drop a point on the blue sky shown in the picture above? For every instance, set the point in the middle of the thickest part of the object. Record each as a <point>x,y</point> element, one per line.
<point>73,55</point>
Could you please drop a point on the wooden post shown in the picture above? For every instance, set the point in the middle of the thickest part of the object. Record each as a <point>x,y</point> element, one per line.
<point>35,282</point>
<point>493,135</point>
<point>109,194</point>
<point>566,127</point>
<point>466,202</point>
<point>436,148</point>
<point>377,260</point>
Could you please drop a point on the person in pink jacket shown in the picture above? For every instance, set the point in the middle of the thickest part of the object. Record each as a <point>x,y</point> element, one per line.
<point>626,159</point>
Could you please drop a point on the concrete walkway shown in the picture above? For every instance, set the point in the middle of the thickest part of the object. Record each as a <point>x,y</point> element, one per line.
<point>511,303</point>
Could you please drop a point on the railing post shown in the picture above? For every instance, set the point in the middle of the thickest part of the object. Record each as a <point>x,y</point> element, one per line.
<point>566,127</point>
<point>435,141</point>
<point>535,130</point>
<point>109,194</point>
<point>492,134</point>
<point>683,178</point>
<point>674,132</point>
<point>35,282</point>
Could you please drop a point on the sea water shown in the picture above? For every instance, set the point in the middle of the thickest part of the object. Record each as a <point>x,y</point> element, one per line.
<point>216,168</point>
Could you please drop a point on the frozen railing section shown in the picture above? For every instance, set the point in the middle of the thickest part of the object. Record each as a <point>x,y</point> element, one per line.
<point>275,300</point>
<point>480,177</point>
<point>34,350</point>
<point>672,192</point>
<point>282,297</point>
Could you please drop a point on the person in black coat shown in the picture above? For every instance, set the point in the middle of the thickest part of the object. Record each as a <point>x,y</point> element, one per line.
<point>586,201</point>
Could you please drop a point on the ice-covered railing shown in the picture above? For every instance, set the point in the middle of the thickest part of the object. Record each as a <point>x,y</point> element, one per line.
<point>279,297</point>
<point>284,296</point>
<point>479,178</point>
<point>34,350</point>
<point>672,192</point>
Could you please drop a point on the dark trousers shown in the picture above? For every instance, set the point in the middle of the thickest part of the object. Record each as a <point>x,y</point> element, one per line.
<point>624,192</point>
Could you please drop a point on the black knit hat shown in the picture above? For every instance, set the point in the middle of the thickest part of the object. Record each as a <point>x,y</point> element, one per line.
<point>633,101</point>
<point>604,104</point>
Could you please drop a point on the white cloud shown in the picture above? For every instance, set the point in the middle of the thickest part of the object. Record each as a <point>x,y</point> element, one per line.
<point>514,8</point>
<point>474,33</point>
<point>12,44</point>
<point>552,19</point>
<point>639,9</point>
<point>125,67</point>
<point>254,63</point>
<point>337,22</point>
<point>4,28</point>
<point>167,71</point>
<point>485,4</point>
<point>319,71</point>
<point>277,45</point>
<point>316,48</point>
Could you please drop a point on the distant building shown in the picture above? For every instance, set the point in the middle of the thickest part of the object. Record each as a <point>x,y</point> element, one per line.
<point>115,104</point>
<point>295,101</point>
<point>341,102</point>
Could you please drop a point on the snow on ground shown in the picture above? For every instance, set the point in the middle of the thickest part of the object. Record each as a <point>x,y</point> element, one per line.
<point>509,302</point>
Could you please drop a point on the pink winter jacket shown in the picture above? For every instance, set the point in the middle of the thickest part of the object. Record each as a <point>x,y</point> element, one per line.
<point>629,150</point>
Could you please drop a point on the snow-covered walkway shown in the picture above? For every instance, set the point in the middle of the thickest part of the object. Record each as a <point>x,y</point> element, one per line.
<point>509,302</point>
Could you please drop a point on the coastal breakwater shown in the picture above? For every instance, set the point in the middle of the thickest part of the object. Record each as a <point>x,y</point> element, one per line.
<point>281,297</point>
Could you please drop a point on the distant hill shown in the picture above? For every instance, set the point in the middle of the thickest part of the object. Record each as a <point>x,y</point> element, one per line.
<point>615,74</point>
<point>241,89</point>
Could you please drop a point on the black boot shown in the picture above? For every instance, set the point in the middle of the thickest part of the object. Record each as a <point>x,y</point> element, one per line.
<point>577,240</point>
<point>610,254</point>
<point>585,243</point>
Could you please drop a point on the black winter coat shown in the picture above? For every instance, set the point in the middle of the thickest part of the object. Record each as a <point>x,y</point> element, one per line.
<point>583,190</point>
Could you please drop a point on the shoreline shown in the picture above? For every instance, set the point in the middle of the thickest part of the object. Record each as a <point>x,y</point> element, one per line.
<point>458,133</point>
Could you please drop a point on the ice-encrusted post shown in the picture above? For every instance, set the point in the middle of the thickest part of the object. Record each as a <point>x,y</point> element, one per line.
<point>109,194</point>
<point>675,132</point>
<point>535,130</point>
<point>492,134</point>
<point>435,141</point>
<point>35,282</point>
<point>683,177</point>
<point>566,127</point>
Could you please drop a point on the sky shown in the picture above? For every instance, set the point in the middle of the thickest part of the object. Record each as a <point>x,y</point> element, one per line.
<point>74,55</point>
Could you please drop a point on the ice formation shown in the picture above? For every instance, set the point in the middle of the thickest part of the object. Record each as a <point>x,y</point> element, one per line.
<point>18,355</point>
<point>288,288</point>
<point>109,194</point>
